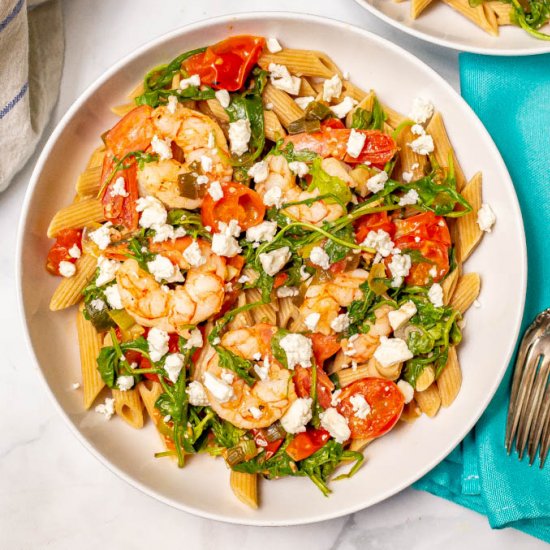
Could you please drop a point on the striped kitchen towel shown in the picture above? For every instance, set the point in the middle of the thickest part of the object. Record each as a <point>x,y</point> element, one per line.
<point>31,60</point>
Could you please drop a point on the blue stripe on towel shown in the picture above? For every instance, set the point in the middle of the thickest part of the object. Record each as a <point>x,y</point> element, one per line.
<point>10,105</point>
<point>9,18</point>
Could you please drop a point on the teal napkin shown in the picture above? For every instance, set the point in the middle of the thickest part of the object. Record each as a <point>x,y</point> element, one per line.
<point>511,96</point>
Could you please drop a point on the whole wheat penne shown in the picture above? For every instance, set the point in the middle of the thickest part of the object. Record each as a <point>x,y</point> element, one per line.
<point>466,291</point>
<point>351,90</point>
<point>287,312</point>
<point>349,375</point>
<point>129,407</point>
<point>284,106</point>
<point>89,343</point>
<point>359,445</point>
<point>502,11</point>
<point>272,126</point>
<point>449,379</point>
<point>69,291</point>
<point>301,62</point>
<point>428,400</point>
<point>306,89</point>
<point>425,379</point>
<point>476,14</point>
<point>149,390</point>
<point>78,214</point>
<point>412,164</point>
<point>449,284</point>
<point>393,118</point>
<point>365,103</point>
<point>411,411</point>
<point>418,6</point>
<point>96,158</point>
<point>468,232</point>
<point>245,487</point>
<point>89,182</point>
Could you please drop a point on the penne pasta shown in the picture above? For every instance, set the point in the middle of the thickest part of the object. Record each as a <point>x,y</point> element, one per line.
<point>411,412</point>
<point>428,400</point>
<point>78,214</point>
<point>502,10</point>
<point>69,291</point>
<point>245,487</point>
<point>129,407</point>
<point>418,6</point>
<point>468,232</point>
<point>365,103</point>
<point>467,290</point>
<point>359,445</point>
<point>89,182</point>
<point>96,158</point>
<point>284,106</point>
<point>89,343</point>
<point>426,379</point>
<point>288,312</point>
<point>476,14</point>
<point>349,375</point>
<point>412,164</point>
<point>149,391</point>
<point>353,91</point>
<point>124,109</point>
<point>301,63</point>
<point>393,118</point>
<point>449,379</point>
<point>449,284</point>
<point>306,89</point>
<point>272,126</point>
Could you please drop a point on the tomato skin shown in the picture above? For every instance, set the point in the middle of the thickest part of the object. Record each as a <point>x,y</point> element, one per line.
<point>427,226</point>
<point>280,280</point>
<point>133,132</point>
<point>59,251</point>
<point>302,383</point>
<point>324,346</point>
<point>238,203</point>
<point>333,123</point>
<point>227,64</point>
<point>386,403</point>
<point>373,222</point>
<point>270,447</point>
<point>306,443</point>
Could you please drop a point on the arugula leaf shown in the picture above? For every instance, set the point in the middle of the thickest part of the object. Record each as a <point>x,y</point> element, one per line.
<point>137,249</point>
<point>190,221</point>
<point>290,154</point>
<point>226,435</point>
<point>154,98</point>
<point>363,119</point>
<point>278,352</point>
<point>239,365</point>
<point>533,18</point>
<point>337,251</point>
<point>359,310</point>
<point>327,184</point>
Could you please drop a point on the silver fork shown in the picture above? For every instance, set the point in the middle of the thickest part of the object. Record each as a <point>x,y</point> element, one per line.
<point>528,420</point>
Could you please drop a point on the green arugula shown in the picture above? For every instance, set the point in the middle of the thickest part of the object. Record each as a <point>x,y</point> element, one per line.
<point>362,119</point>
<point>327,184</point>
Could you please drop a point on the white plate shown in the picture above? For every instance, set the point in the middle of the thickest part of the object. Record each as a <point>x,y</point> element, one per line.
<point>443,25</point>
<point>395,461</point>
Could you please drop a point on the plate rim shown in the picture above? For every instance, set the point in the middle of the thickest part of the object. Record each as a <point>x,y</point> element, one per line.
<point>504,52</point>
<point>204,24</point>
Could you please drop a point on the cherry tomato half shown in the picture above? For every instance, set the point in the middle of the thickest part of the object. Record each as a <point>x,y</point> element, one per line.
<point>324,346</point>
<point>373,222</point>
<point>302,383</point>
<point>426,226</point>
<point>306,443</point>
<point>59,252</point>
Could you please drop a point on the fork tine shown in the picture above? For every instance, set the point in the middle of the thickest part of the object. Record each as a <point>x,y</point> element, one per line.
<point>522,404</point>
<point>545,442</point>
<point>542,410</point>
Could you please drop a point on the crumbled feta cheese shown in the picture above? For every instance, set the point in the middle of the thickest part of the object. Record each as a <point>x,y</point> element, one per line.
<point>167,418</point>
<point>486,218</point>
<point>311,320</point>
<point>340,323</point>
<point>399,317</point>
<point>66,269</point>
<point>319,257</point>
<point>206,163</point>
<point>332,87</point>
<point>224,242</point>
<point>269,106</point>
<point>421,111</point>
<point>392,351</point>
<point>377,182</point>
<point>163,232</point>
<point>201,180</point>
<point>102,236</point>
<point>335,398</point>
<point>162,269</point>
<point>243,279</point>
<point>287,292</point>
<point>350,350</point>
<point>118,189</point>
<point>124,383</point>
<point>415,166</point>
<point>423,145</point>
<point>107,270</point>
<point>197,395</point>
<point>410,197</point>
<point>107,409</point>
<point>417,130</point>
<point>262,371</point>
<point>272,262</point>
<point>158,343</point>
<point>75,385</point>
<point>406,389</point>
<point>255,412</point>
<point>344,107</point>
<point>112,293</point>
<point>273,45</point>
<point>356,142</point>
<point>407,178</point>
<point>172,104</point>
<point>223,97</point>
<point>74,251</point>
<point>193,255</point>
<point>221,390</point>
<point>283,80</point>
<point>400,266</point>
<point>273,197</point>
<point>299,168</point>
<point>193,80</point>
<point>98,304</point>
<point>162,147</point>
<point>381,241</point>
<point>433,272</point>
<point>303,102</point>
<point>152,211</point>
<point>297,416</point>
<point>435,294</point>
<point>239,136</point>
<point>263,232</point>
<point>259,171</point>
<point>195,339</point>
<point>360,406</point>
<point>335,424</point>
<point>298,349</point>
<point>227,376</point>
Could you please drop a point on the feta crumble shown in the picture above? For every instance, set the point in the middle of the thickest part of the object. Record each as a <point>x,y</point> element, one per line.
<point>423,145</point>
<point>102,236</point>
<point>344,107</point>
<point>273,45</point>
<point>356,142</point>
<point>377,182</point>
<point>224,242</point>
<point>407,178</point>
<point>162,269</point>
<point>193,255</point>
<point>410,197</point>
<point>298,350</point>
<point>172,104</point>
<point>417,130</point>
<point>157,340</point>
<point>195,339</point>
<point>112,293</point>
<point>303,102</point>
<point>118,189</point>
<point>360,406</point>
<point>107,270</point>
<point>193,80</point>
<point>406,389</point>
<point>239,136</point>
<point>75,252</point>
<point>272,262</point>
<point>381,241</point>
<point>124,383</point>
<point>399,266</point>
<point>332,87</point>
<point>298,168</point>
<point>392,351</point>
<point>287,292</point>
<point>421,110</point>
<point>107,409</point>
<point>486,218</point>
<point>335,424</point>
<point>397,318</point>
<point>98,304</point>
<point>162,147</point>
<point>297,416</point>
<point>282,79</point>
<point>435,294</point>
<point>206,163</point>
<point>197,395</point>
<point>274,197</point>
<point>215,190</point>
<point>67,269</point>
<point>312,320</point>
<point>223,97</point>
<point>263,232</point>
<point>259,171</point>
<point>319,257</point>
<point>255,412</point>
<point>340,323</point>
<point>152,211</point>
<point>220,389</point>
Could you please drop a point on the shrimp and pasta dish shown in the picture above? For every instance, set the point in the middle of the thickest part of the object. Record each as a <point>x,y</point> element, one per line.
<point>268,263</point>
<point>489,15</point>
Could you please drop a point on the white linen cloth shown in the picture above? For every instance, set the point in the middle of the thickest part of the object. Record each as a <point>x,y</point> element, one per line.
<point>31,61</point>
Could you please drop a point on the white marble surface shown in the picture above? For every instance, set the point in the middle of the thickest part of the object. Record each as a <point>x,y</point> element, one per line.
<point>53,494</point>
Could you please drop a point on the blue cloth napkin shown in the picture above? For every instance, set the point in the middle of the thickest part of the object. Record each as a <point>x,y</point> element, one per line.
<point>511,96</point>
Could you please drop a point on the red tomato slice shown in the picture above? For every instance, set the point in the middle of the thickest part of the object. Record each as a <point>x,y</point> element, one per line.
<point>436,254</point>
<point>324,346</point>
<point>306,443</point>
<point>373,222</point>
<point>59,252</point>
<point>238,203</point>
<point>426,226</point>
<point>334,123</point>
<point>133,132</point>
<point>302,383</point>
<point>280,280</point>
<point>269,447</point>
<point>386,403</point>
<point>227,64</point>
<point>379,148</point>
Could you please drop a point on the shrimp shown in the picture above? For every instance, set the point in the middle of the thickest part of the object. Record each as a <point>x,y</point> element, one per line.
<point>202,144</point>
<point>328,297</point>
<point>280,176</point>
<point>265,402</point>
<point>197,299</point>
<point>361,347</point>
